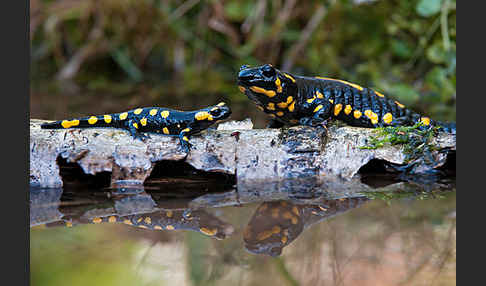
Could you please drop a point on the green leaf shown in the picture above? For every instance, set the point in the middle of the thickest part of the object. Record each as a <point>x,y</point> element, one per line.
<point>428,8</point>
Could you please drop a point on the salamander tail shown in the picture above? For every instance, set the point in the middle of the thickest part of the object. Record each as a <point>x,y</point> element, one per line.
<point>84,122</point>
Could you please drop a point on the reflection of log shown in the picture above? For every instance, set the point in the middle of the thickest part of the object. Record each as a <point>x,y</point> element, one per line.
<point>249,154</point>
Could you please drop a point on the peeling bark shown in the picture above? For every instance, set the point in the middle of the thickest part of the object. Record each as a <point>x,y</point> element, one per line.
<point>249,154</point>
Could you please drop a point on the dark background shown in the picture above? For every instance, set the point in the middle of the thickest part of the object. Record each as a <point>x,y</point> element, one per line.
<point>96,57</point>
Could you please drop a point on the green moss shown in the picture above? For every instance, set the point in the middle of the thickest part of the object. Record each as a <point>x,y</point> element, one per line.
<point>415,139</point>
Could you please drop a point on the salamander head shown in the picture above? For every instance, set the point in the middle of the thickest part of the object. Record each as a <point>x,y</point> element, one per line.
<point>213,114</point>
<point>264,82</point>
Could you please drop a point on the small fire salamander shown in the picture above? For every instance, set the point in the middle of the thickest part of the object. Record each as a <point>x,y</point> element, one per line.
<point>197,220</point>
<point>152,119</point>
<point>311,101</point>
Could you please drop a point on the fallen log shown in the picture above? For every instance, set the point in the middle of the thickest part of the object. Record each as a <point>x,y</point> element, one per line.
<point>234,149</point>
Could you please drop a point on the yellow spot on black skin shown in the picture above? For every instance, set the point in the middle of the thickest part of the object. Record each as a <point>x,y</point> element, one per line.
<point>138,111</point>
<point>260,108</point>
<point>425,120</point>
<point>331,100</point>
<point>185,139</point>
<point>170,227</point>
<point>310,100</point>
<point>70,123</point>
<point>92,120</point>
<point>272,115</point>
<point>282,104</point>
<point>379,94</point>
<point>269,93</point>
<point>203,115</point>
<point>221,104</point>
<point>387,118</point>
<point>186,130</point>
<point>148,220</point>
<point>372,116</point>
<point>242,89</point>
<point>289,77</point>
<point>271,106</point>
<point>112,219</point>
<point>399,104</point>
<point>123,115</point>
<point>164,114</point>
<point>280,113</point>
<point>97,220</point>
<point>319,94</point>
<point>165,130</point>
<point>127,221</point>
<point>319,107</point>
<point>153,112</point>
<point>209,232</point>
<point>357,114</point>
<point>292,107</point>
<point>279,85</point>
<point>342,81</point>
<point>337,108</point>
<point>139,220</point>
<point>143,121</point>
<point>107,118</point>
<point>135,125</point>
<point>348,109</point>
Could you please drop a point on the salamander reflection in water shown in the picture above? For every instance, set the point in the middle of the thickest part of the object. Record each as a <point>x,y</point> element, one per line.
<point>196,220</point>
<point>275,225</point>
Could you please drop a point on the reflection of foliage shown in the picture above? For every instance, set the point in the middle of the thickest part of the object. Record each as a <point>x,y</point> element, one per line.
<point>404,48</point>
<point>81,256</point>
<point>416,195</point>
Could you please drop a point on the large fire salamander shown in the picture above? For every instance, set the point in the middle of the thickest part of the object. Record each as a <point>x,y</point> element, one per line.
<point>311,101</point>
<point>152,119</point>
<point>276,224</point>
<point>197,220</point>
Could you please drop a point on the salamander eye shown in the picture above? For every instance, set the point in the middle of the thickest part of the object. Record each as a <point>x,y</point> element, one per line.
<point>268,71</point>
<point>215,112</point>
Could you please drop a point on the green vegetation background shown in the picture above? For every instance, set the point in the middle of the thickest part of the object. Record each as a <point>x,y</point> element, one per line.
<point>106,56</point>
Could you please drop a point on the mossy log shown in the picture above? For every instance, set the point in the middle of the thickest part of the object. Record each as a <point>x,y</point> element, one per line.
<point>234,149</point>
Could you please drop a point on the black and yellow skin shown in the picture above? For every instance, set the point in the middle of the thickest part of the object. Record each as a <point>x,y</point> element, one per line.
<point>293,100</point>
<point>154,120</point>
<point>197,220</point>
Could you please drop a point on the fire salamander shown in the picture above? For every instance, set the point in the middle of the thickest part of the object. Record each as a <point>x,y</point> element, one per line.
<point>311,101</point>
<point>197,220</point>
<point>152,119</point>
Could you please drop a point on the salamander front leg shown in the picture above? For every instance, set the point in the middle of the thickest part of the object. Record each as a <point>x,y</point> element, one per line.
<point>184,139</point>
<point>319,118</point>
<point>132,127</point>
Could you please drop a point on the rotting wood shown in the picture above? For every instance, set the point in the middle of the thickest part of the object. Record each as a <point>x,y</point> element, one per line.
<point>249,154</point>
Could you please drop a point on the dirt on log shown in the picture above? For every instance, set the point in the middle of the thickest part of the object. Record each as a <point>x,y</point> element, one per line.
<point>233,148</point>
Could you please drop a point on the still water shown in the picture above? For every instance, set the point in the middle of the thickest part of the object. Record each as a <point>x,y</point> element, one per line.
<point>145,236</point>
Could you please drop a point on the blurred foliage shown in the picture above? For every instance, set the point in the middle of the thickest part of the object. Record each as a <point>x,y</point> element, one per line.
<point>74,256</point>
<point>187,53</point>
